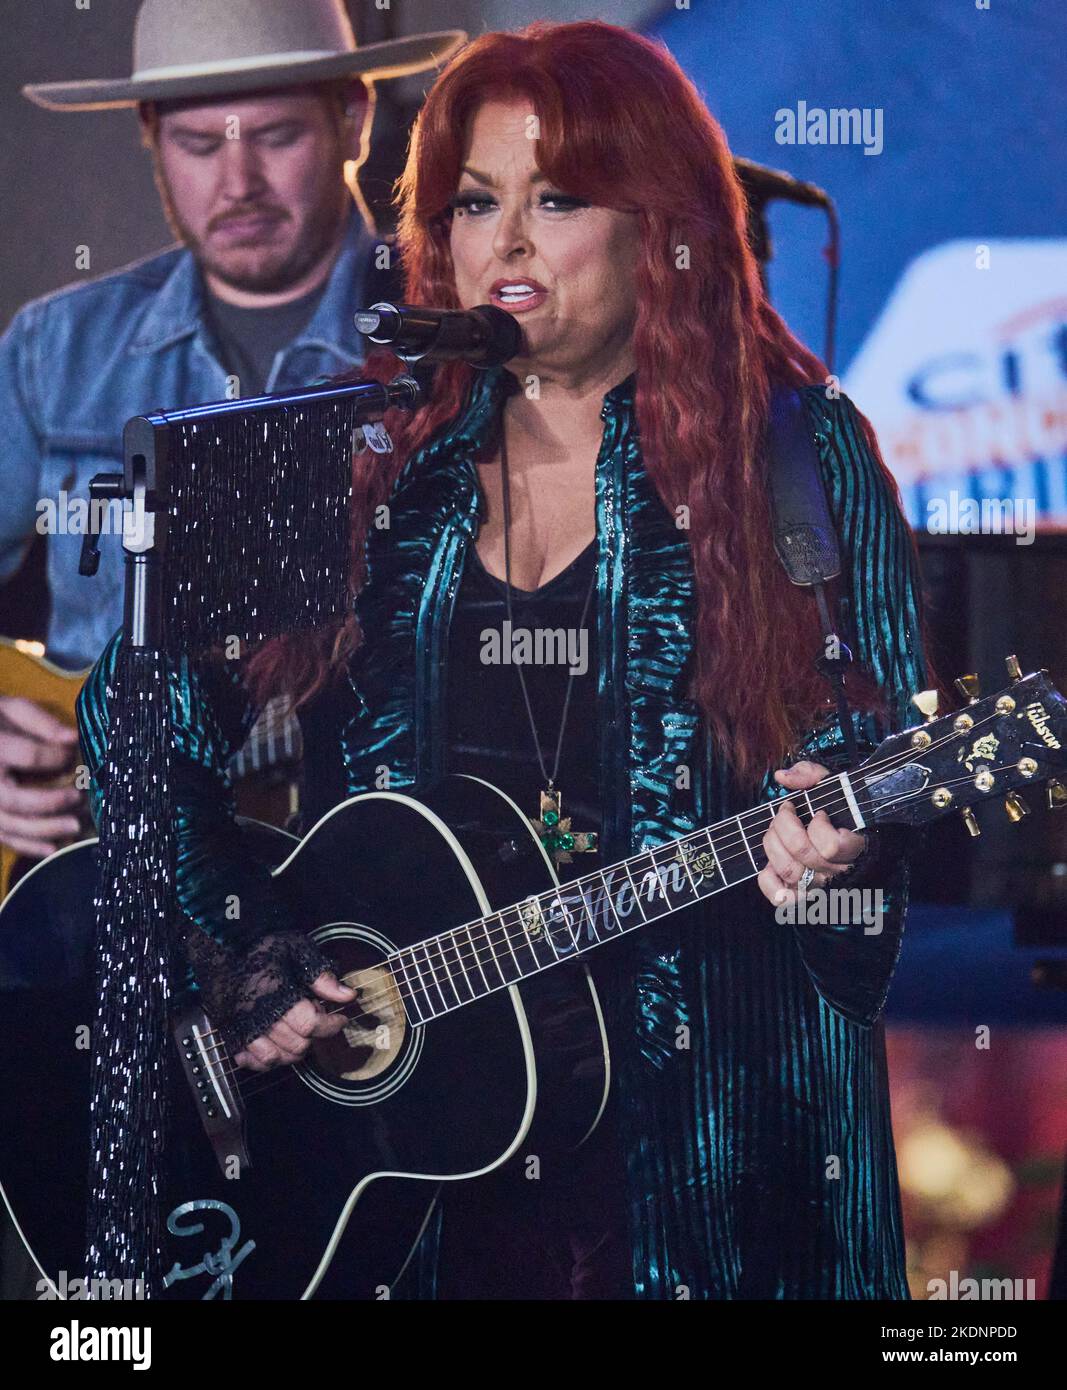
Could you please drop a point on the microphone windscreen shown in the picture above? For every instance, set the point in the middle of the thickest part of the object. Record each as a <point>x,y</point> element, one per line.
<point>504,339</point>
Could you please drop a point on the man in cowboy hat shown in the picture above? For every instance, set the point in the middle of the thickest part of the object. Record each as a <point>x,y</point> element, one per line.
<point>251,109</point>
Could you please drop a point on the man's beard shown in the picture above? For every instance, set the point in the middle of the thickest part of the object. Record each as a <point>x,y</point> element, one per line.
<point>271,276</point>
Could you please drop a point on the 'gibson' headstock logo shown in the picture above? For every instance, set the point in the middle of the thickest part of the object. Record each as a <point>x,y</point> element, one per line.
<point>1038,717</point>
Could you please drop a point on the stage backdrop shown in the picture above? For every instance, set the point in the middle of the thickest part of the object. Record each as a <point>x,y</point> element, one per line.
<point>953,320</point>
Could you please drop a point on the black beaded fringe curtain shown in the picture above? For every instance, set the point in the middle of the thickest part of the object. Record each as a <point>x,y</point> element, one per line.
<point>257,544</point>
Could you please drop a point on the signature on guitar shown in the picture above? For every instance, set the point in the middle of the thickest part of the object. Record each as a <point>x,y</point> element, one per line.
<point>220,1263</point>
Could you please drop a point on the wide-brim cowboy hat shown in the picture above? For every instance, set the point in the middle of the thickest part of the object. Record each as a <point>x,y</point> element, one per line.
<point>206,48</point>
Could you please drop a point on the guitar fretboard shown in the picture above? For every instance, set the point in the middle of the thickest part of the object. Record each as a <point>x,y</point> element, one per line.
<point>444,972</point>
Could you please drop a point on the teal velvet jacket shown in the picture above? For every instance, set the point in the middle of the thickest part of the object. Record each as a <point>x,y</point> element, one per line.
<point>751,1065</point>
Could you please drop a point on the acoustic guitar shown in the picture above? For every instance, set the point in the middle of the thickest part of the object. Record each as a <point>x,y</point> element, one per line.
<point>444,913</point>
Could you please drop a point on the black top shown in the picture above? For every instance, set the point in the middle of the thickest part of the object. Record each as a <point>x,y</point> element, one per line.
<point>489,736</point>
<point>489,731</point>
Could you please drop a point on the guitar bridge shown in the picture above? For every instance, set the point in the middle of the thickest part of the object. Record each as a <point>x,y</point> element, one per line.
<point>204,1060</point>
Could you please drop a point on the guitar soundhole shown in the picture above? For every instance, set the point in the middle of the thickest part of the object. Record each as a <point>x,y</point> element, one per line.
<point>377,1049</point>
<point>374,1036</point>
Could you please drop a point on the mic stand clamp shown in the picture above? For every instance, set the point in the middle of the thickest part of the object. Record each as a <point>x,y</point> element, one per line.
<point>105,487</point>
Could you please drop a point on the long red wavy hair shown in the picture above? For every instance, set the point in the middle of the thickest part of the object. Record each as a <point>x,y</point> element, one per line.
<point>623,127</point>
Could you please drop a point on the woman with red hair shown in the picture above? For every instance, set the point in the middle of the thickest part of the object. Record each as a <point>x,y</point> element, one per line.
<point>609,484</point>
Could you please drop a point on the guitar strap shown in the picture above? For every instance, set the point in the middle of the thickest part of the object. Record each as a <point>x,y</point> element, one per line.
<point>804,534</point>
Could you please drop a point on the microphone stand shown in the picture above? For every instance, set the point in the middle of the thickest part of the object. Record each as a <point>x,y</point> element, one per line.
<point>761,186</point>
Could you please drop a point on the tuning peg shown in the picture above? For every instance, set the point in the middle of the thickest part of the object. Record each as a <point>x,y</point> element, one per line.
<point>926,703</point>
<point>969,687</point>
<point>970,820</point>
<point>1015,671</point>
<point>1016,807</point>
<point>1057,794</point>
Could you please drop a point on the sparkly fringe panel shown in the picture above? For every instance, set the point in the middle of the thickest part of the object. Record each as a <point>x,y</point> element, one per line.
<point>257,545</point>
<point>258,531</point>
<point>132,905</point>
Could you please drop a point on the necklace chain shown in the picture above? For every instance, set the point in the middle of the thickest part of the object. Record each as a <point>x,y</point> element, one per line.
<point>550,778</point>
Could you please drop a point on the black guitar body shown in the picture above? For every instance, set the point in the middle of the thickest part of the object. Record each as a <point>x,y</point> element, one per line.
<point>309,1215</point>
<point>319,1184</point>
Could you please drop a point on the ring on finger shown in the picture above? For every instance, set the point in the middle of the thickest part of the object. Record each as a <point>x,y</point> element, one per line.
<point>805,880</point>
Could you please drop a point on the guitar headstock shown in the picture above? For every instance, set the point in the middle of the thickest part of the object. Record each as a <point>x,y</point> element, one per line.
<point>992,748</point>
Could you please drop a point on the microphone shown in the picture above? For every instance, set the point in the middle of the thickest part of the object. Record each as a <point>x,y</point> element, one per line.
<point>762,184</point>
<point>485,336</point>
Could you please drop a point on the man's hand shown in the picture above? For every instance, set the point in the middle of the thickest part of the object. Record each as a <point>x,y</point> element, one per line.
<point>288,1040</point>
<point>34,744</point>
<point>792,847</point>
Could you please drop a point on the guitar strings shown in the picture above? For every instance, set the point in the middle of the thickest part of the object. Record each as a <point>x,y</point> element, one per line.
<point>425,981</point>
<point>253,1086</point>
<point>368,1002</point>
<point>430,976</point>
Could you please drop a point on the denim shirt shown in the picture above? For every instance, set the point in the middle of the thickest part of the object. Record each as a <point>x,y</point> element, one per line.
<point>77,363</point>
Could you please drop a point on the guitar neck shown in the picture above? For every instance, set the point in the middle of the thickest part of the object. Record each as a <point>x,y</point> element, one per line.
<point>444,972</point>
